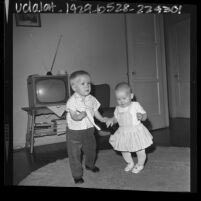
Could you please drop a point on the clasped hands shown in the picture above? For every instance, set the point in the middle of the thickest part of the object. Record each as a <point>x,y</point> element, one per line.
<point>108,121</point>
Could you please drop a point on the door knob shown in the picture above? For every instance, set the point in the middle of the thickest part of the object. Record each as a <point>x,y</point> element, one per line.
<point>176,76</point>
<point>133,73</point>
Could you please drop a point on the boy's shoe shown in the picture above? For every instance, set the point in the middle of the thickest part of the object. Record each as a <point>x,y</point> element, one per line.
<point>137,169</point>
<point>95,169</point>
<point>129,167</point>
<point>79,180</point>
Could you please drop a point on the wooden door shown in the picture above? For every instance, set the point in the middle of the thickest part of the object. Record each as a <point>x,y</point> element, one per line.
<point>181,72</point>
<point>146,66</point>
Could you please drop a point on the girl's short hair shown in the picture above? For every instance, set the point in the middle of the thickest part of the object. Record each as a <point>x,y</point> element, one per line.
<point>123,85</point>
<point>76,74</point>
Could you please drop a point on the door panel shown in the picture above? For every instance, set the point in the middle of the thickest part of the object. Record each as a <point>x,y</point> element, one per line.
<point>146,63</point>
<point>182,71</point>
<point>151,88</point>
<point>184,91</point>
<point>143,28</point>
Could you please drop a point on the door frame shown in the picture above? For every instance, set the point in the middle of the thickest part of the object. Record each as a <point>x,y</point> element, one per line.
<point>164,68</point>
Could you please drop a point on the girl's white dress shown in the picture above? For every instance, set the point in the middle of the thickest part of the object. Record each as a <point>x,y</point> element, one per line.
<point>131,135</point>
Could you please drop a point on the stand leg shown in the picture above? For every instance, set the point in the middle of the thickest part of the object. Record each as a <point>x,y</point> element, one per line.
<point>32,132</point>
<point>28,134</point>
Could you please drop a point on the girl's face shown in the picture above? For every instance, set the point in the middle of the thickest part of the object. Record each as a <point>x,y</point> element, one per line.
<point>124,97</point>
<point>82,85</point>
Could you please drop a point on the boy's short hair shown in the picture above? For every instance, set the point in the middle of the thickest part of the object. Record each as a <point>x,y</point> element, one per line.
<point>76,74</point>
<point>123,85</point>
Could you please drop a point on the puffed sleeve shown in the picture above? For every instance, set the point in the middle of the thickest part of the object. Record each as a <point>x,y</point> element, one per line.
<point>115,112</point>
<point>96,104</point>
<point>139,108</point>
<point>70,105</point>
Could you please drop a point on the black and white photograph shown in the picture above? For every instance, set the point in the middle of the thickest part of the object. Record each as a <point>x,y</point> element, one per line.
<point>102,101</point>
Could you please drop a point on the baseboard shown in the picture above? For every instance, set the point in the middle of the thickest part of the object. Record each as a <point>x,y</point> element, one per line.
<point>45,140</point>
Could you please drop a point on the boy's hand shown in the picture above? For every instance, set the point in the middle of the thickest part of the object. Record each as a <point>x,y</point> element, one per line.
<point>82,115</point>
<point>139,116</point>
<point>109,122</point>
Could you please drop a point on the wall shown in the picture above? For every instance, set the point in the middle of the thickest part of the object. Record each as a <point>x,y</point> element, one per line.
<point>95,43</point>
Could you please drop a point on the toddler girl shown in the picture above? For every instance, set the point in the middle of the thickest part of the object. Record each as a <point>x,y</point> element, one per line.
<point>132,135</point>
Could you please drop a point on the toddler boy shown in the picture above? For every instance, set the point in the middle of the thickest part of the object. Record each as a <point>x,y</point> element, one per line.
<point>81,107</point>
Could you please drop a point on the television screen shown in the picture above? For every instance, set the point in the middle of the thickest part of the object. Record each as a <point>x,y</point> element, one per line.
<point>50,90</point>
<point>47,90</point>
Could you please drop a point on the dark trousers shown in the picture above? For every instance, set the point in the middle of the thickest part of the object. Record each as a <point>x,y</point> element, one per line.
<point>78,141</point>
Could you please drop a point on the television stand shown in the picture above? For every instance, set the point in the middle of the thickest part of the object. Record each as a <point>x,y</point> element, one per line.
<point>44,129</point>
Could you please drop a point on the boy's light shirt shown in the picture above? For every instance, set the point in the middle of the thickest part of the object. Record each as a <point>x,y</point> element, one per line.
<point>89,104</point>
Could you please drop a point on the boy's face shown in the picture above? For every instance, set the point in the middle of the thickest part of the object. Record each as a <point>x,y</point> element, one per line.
<point>123,97</point>
<point>82,85</point>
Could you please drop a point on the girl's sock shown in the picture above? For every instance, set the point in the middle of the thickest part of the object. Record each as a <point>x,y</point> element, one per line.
<point>138,168</point>
<point>128,158</point>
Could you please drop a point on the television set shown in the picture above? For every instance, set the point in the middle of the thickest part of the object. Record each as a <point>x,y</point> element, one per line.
<point>48,90</point>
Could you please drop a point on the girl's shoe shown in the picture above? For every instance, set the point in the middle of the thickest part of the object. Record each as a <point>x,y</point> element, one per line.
<point>129,167</point>
<point>137,168</point>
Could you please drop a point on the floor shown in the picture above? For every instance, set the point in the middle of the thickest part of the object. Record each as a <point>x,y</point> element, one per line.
<point>167,170</point>
<point>176,135</point>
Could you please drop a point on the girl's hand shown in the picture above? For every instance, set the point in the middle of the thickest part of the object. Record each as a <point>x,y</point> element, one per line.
<point>109,122</point>
<point>105,119</point>
<point>139,116</point>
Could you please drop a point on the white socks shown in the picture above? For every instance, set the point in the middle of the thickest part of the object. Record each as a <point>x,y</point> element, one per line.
<point>137,168</point>
<point>128,158</point>
<point>130,166</point>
